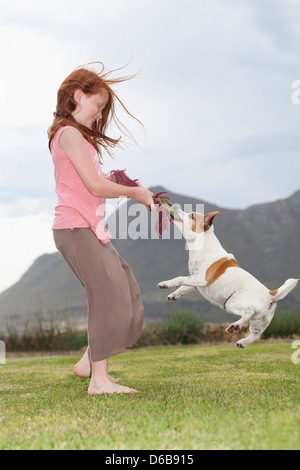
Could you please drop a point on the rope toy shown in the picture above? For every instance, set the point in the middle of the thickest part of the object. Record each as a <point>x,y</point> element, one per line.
<point>166,212</point>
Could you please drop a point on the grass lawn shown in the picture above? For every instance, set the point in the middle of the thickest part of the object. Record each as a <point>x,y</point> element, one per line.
<point>191,397</point>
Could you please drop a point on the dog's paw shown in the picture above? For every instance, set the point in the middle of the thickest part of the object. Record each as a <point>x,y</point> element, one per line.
<point>240,344</point>
<point>172,297</point>
<point>233,328</point>
<point>162,285</point>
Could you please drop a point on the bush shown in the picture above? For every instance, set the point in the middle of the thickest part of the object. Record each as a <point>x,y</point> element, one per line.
<point>44,337</point>
<point>47,341</point>
<point>284,324</point>
<point>150,336</point>
<point>182,327</point>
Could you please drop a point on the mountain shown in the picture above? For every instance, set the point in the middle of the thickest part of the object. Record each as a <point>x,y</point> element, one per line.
<point>264,238</point>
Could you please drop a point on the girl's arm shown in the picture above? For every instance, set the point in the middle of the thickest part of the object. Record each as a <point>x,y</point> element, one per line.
<point>72,145</point>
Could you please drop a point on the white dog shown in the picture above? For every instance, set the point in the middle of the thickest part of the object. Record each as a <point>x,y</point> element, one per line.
<point>218,277</point>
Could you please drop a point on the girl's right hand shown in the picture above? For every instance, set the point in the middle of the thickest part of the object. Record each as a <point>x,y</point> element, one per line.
<point>144,196</point>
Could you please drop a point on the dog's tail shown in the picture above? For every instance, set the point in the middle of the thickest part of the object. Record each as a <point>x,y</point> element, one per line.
<point>284,290</point>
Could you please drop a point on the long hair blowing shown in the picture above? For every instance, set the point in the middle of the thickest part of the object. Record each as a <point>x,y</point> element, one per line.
<point>90,83</point>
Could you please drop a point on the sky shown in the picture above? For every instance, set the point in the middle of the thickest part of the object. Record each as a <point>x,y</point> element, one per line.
<point>216,91</point>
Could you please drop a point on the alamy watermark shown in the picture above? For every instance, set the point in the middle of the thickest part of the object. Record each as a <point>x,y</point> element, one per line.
<point>2,92</point>
<point>296,354</point>
<point>2,353</point>
<point>134,221</point>
<point>296,94</point>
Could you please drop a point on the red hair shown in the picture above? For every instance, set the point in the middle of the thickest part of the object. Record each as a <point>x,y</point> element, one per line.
<point>90,83</point>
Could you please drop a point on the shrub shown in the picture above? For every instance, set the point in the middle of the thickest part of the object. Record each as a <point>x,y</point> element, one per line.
<point>150,336</point>
<point>41,338</point>
<point>283,325</point>
<point>182,327</point>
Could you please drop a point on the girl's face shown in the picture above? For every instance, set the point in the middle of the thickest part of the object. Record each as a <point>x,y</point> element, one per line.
<point>89,107</point>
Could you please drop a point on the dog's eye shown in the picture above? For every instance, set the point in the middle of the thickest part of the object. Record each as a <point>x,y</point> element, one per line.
<point>192,216</point>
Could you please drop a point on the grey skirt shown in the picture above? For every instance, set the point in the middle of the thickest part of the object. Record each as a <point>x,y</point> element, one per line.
<point>115,308</point>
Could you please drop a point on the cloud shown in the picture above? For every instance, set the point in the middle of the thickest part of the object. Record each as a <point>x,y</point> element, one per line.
<point>213,92</point>
<point>23,239</point>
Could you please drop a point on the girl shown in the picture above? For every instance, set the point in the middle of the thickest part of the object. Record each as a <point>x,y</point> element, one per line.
<point>85,107</point>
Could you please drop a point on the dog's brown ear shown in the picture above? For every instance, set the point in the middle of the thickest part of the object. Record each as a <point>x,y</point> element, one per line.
<point>208,219</point>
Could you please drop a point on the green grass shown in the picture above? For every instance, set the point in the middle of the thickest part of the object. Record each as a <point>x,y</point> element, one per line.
<point>191,397</point>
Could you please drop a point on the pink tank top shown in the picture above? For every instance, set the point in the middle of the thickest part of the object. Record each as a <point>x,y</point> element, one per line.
<point>76,206</point>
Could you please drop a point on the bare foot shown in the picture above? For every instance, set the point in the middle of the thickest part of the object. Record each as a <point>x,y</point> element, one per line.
<point>108,387</point>
<point>83,368</point>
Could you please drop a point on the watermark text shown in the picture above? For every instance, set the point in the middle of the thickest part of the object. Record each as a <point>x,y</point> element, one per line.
<point>296,354</point>
<point>2,353</point>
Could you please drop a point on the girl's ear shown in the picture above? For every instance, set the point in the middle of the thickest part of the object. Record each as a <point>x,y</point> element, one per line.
<point>77,95</point>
